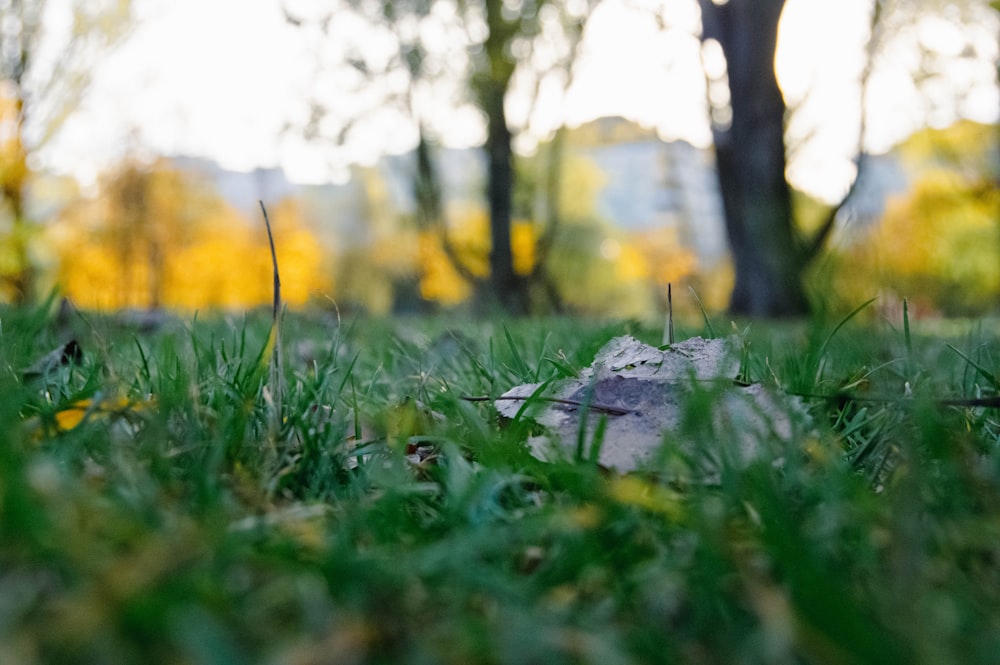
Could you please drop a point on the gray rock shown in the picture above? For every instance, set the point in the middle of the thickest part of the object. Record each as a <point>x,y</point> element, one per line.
<point>680,402</point>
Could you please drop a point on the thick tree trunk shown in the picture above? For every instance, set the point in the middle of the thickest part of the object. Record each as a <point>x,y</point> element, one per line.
<point>750,153</point>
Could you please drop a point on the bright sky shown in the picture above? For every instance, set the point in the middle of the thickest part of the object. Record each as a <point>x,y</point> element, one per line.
<point>220,78</point>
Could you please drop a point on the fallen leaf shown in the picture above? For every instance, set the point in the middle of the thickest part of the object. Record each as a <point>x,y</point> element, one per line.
<point>65,354</point>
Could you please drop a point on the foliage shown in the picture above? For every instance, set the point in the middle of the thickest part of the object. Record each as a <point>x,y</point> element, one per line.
<point>950,258</point>
<point>965,147</point>
<point>752,130</point>
<point>13,166</point>
<point>664,254</point>
<point>439,279</point>
<point>595,269</point>
<point>13,176</point>
<point>579,183</point>
<point>598,269</point>
<point>379,518</point>
<point>474,53</point>
<point>153,236</point>
<point>939,245</point>
<point>156,237</point>
<point>376,260</point>
<point>43,73</point>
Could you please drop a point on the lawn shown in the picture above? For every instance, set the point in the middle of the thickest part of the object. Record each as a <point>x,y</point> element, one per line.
<point>167,496</point>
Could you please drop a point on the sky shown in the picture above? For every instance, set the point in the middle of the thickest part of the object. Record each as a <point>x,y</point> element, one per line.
<point>221,78</point>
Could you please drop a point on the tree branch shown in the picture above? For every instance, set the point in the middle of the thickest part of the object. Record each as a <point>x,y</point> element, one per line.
<point>430,207</point>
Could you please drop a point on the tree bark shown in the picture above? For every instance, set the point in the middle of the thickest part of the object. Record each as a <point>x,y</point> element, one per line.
<point>750,153</point>
<point>507,288</point>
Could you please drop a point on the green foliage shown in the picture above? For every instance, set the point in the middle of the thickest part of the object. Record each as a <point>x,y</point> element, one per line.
<point>383,519</point>
<point>939,245</point>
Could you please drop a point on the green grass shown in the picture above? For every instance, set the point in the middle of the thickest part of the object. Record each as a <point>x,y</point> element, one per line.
<point>378,518</point>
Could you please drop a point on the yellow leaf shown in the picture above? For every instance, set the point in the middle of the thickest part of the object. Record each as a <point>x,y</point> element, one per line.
<point>71,416</point>
<point>634,491</point>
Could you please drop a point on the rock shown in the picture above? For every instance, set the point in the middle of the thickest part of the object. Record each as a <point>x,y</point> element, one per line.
<point>681,402</point>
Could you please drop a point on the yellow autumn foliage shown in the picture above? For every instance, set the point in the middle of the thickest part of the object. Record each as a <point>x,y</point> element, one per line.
<point>153,238</point>
<point>13,162</point>
<point>631,263</point>
<point>14,174</point>
<point>594,272</point>
<point>441,282</point>
<point>158,237</point>
<point>670,262</point>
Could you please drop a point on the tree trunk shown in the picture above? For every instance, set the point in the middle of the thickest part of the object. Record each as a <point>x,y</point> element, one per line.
<point>507,288</point>
<point>750,153</point>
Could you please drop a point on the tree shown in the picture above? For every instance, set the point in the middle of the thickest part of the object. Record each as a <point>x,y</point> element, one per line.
<point>950,260</point>
<point>769,259</point>
<point>154,236</point>
<point>36,95</point>
<point>496,40</point>
<point>770,252</point>
<point>492,73</point>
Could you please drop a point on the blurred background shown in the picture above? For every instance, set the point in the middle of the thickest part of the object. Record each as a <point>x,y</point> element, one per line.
<point>530,156</point>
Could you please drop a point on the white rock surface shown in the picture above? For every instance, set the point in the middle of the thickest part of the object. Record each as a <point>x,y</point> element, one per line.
<point>646,395</point>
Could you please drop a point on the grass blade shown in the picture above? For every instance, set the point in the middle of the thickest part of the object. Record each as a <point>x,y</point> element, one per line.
<point>272,349</point>
<point>843,322</point>
<point>520,367</point>
<point>704,314</point>
<point>145,373</point>
<point>826,342</point>
<point>990,377</point>
<point>906,328</point>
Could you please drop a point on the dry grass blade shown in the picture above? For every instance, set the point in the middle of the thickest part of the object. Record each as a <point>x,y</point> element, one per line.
<point>591,406</point>
<point>272,351</point>
<point>668,333</point>
<point>276,307</point>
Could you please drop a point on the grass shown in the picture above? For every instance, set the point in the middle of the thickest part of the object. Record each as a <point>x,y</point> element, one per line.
<point>158,505</point>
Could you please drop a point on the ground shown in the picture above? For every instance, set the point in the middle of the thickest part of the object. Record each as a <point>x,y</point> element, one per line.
<point>168,497</point>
